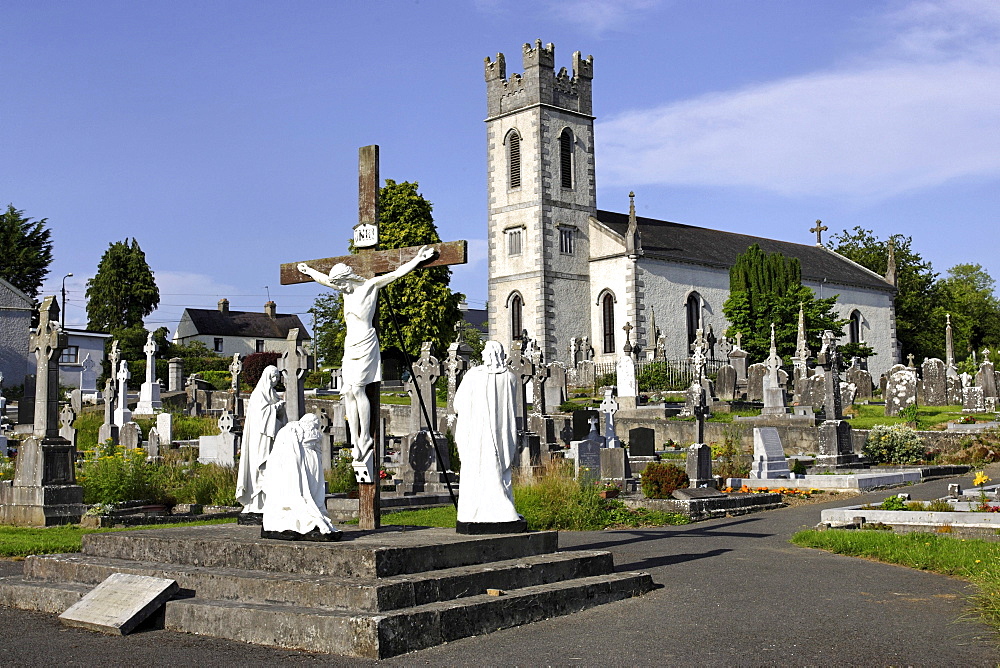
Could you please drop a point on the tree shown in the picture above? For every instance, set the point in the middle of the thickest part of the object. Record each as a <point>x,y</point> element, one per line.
<point>766,288</point>
<point>426,308</point>
<point>123,291</point>
<point>967,294</point>
<point>918,295</point>
<point>27,251</point>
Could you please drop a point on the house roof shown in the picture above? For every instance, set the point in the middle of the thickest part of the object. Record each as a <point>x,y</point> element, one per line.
<point>664,240</point>
<point>245,323</point>
<point>27,302</point>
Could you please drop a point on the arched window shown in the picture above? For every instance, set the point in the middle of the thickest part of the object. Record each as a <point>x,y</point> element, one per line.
<point>854,327</point>
<point>693,309</point>
<point>566,157</point>
<point>514,159</point>
<point>608,321</point>
<point>515,317</point>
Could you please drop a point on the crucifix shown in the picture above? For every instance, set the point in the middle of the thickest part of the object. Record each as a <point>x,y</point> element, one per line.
<point>819,230</point>
<point>359,278</point>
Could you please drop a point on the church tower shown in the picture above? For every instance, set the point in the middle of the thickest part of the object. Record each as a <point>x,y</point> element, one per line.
<point>540,172</point>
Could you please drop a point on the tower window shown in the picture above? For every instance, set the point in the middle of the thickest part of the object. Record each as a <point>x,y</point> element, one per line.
<point>515,317</point>
<point>566,240</point>
<point>608,321</point>
<point>566,158</point>
<point>514,242</point>
<point>514,158</point>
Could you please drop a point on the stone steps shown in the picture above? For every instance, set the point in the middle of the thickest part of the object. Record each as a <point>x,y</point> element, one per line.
<point>325,591</point>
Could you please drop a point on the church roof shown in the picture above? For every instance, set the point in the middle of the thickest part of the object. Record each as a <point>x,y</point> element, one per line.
<point>664,240</point>
<point>249,324</point>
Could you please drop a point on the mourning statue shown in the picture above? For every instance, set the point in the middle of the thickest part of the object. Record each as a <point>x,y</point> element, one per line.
<point>294,489</point>
<point>486,436</point>
<point>362,362</point>
<point>265,416</point>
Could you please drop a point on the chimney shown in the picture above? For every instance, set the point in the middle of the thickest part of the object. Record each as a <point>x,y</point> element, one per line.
<point>270,308</point>
<point>223,305</point>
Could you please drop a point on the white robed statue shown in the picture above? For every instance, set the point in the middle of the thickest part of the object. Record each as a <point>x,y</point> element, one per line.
<point>362,362</point>
<point>265,417</point>
<point>486,436</point>
<point>294,490</point>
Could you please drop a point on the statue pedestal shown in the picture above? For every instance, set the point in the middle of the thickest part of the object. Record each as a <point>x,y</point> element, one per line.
<point>149,399</point>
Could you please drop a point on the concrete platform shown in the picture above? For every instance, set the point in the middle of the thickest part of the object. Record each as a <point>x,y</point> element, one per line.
<point>373,594</point>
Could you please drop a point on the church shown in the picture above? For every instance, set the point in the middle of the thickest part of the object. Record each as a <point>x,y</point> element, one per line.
<point>562,269</point>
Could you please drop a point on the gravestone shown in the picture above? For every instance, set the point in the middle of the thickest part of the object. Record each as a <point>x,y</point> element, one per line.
<point>235,371</point>
<point>973,400</point>
<point>582,420</point>
<point>900,389</point>
<point>954,390</point>
<point>165,428</point>
<point>615,464</point>
<point>88,378</point>
<point>755,382</point>
<point>66,429</point>
<point>556,391</point>
<point>26,405</point>
<point>768,455</point>
<point>609,407</point>
<point>120,603</point>
<point>524,370</point>
<point>149,392</point>
<point>539,379</point>
<point>293,367</point>
<point>129,436</point>
<point>425,372</point>
<point>153,443</point>
<point>934,382</point>
<point>220,449</point>
<point>699,465</point>
<point>175,375</point>
<point>455,366</point>
<point>725,382</point>
<point>641,442</point>
<point>588,455</point>
<point>122,413</point>
<point>108,430</point>
<point>326,441</point>
<point>772,387</point>
<point>76,401</point>
<point>835,446</point>
<point>628,389</point>
<point>986,377</point>
<point>848,393</point>
<point>861,379</point>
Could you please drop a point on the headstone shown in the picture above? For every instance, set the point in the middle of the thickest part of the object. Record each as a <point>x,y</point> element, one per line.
<point>76,401</point>
<point>293,367</point>
<point>235,371</point>
<point>768,455</point>
<point>220,449</point>
<point>423,406</point>
<point>539,379</point>
<point>120,603</point>
<point>725,382</point>
<point>615,464</point>
<point>954,390</point>
<point>641,442</point>
<point>108,430</point>
<point>129,436</point>
<point>628,389</point>
<point>773,388</point>
<point>829,358</point>
<point>861,379</point>
<point>455,366</point>
<point>835,446</point>
<point>738,358</point>
<point>165,428</point>
<point>588,457</point>
<point>986,377</point>
<point>325,424</point>
<point>848,393</point>
<point>88,377</point>
<point>973,400</point>
<point>149,392</point>
<point>934,382</point>
<point>900,389</point>
<point>122,413</point>
<point>66,418</point>
<point>699,465</point>
<point>609,407</point>
<point>582,422</point>
<point>153,443</point>
<point>175,375</point>
<point>524,369</point>
<point>556,391</point>
<point>755,382</point>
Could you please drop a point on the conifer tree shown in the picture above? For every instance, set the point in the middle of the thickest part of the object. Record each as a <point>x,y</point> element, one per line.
<point>123,291</point>
<point>27,251</point>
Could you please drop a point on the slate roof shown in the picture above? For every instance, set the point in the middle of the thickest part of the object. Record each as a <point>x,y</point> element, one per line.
<point>251,324</point>
<point>662,239</point>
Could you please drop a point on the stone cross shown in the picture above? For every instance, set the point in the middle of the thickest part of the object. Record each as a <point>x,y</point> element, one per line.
<point>627,348</point>
<point>88,377</point>
<point>819,230</point>
<point>122,413</point>
<point>829,359</point>
<point>455,366</point>
<point>47,342</point>
<point>150,349</point>
<point>739,341</point>
<point>293,365</point>
<point>609,407</point>
<point>524,369</point>
<point>538,379</point>
<point>426,370</point>
<point>109,401</point>
<point>949,346</point>
<point>368,263</point>
<point>698,358</point>
<point>909,360</point>
<point>114,357</point>
<point>235,369</point>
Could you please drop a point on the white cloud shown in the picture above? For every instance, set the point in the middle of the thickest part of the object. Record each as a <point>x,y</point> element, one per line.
<point>599,16</point>
<point>896,123</point>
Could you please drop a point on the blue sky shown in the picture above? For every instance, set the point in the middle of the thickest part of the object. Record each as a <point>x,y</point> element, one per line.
<point>224,135</point>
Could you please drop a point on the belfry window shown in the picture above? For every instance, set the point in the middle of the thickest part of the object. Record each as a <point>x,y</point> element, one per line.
<point>566,158</point>
<point>515,317</point>
<point>514,159</point>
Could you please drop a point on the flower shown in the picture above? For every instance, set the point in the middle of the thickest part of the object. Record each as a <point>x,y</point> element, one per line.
<point>980,479</point>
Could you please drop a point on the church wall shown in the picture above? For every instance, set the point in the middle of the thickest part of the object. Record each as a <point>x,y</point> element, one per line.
<point>608,274</point>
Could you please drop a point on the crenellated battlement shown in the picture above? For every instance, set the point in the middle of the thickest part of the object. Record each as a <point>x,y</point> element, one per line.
<point>539,84</point>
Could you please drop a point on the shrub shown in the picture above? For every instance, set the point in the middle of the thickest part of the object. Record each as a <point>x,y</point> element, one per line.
<point>893,503</point>
<point>940,506</point>
<point>254,365</point>
<point>340,477</point>
<point>315,379</point>
<point>220,380</point>
<point>555,500</point>
<point>114,475</point>
<point>733,464</point>
<point>893,444</point>
<point>6,467</point>
<point>660,480</point>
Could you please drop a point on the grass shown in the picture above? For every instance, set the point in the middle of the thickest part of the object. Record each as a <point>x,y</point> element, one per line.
<point>865,416</point>
<point>394,398</point>
<point>426,517</point>
<point>22,541</point>
<point>970,559</point>
<point>727,418</point>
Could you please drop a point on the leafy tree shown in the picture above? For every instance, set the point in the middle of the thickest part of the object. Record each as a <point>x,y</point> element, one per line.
<point>766,288</point>
<point>425,306</point>
<point>27,251</point>
<point>967,293</point>
<point>918,295</point>
<point>123,291</point>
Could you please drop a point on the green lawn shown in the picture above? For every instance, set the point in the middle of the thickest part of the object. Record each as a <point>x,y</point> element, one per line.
<point>971,559</point>
<point>394,398</point>
<point>867,416</point>
<point>22,541</point>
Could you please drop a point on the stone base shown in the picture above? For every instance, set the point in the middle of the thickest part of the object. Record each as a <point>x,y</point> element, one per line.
<point>491,528</point>
<point>50,505</point>
<point>314,536</point>
<point>250,519</point>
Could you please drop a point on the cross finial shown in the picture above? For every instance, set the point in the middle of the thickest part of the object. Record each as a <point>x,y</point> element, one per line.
<point>819,230</point>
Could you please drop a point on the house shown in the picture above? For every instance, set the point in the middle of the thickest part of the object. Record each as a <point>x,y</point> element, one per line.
<point>561,269</point>
<point>81,343</point>
<point>16,310</point>
<point>226,332</point>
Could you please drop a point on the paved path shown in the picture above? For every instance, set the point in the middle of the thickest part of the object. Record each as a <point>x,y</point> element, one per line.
<point>734,592</point>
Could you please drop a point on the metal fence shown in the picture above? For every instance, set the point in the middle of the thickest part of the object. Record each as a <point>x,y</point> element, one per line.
<point>651,375</point>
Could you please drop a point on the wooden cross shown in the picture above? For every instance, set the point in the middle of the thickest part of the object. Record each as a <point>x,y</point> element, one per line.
<point>367,263</point>
<point>819,230</point>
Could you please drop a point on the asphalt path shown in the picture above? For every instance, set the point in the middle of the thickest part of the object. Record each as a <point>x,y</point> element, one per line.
<point>732,591</point>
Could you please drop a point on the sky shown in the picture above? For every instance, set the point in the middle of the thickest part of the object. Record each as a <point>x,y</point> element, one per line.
<point>223,135</point>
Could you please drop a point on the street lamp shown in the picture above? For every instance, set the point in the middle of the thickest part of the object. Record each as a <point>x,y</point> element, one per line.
<point>64,298</point>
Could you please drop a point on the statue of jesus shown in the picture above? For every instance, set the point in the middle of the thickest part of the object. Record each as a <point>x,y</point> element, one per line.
<point>362,362</point>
